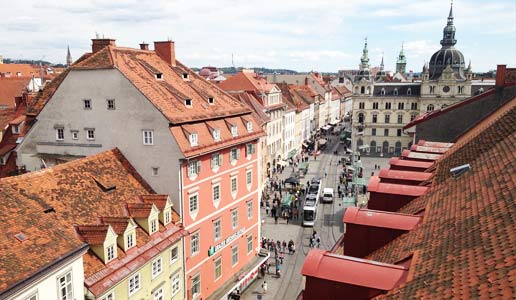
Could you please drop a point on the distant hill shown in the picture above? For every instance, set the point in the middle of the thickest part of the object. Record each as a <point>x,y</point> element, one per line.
<point>32,62</point>
<point>260,70</point>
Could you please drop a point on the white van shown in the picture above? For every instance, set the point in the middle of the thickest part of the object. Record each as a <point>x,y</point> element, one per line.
<point>327,195</point>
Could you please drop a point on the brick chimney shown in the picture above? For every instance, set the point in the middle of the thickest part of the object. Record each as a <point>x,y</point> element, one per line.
<point>98,44</point>
<point>166,51</point>
<point>144,46</point>
<point>500,75</point>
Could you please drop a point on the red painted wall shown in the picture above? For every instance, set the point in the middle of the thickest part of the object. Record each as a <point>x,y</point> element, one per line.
<point>319,289</point>
<point>387,202</point>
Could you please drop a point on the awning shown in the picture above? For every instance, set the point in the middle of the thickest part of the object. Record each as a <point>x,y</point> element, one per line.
<point>281,163</point>
<point>348,199</point>
<point>363,147</point>
<point>303,166</point>
<point>291,180</point>
<point>287,200</point>
<point>360,182</point>
<point>326,127</point>
<point>322,141</point>
<point>292,153</point>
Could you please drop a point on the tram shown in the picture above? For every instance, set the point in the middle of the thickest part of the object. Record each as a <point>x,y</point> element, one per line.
<point>310,210</point>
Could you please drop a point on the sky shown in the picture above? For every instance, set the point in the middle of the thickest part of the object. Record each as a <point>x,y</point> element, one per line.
<point>302,35</point>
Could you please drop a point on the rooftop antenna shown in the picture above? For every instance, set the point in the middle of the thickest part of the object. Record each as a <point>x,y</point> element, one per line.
<point>232,61</point>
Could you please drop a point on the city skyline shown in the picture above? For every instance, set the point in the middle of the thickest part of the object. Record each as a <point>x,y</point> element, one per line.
<point>324,36</point>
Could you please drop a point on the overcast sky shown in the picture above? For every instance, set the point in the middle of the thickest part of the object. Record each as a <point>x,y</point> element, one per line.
<point>302,35</point>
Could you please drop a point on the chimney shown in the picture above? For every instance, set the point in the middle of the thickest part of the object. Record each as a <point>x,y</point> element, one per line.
<point>166,51</point>
<point>98,44</point>
<point>500,75</point>
<point>144,46</point>
<point>306,80</point>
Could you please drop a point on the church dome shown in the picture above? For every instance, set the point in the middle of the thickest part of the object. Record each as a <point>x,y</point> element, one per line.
<point>447,56</point>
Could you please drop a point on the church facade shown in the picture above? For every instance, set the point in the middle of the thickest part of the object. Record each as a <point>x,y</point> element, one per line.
<point>383,104</point>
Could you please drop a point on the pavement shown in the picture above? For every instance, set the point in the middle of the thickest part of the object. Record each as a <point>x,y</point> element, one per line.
<point>328,225</point>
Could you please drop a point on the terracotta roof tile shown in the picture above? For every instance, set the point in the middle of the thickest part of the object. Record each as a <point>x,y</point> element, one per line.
<point>247,81</point>
<point>11,88</point>
<point>94,234</point>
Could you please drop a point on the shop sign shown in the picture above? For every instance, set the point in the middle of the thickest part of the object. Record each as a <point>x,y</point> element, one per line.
<point>228,240</point>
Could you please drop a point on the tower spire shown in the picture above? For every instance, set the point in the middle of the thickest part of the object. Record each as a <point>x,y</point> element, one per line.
<point>365,57</point>
<point>449,30</point>
<point>381,64</point>
<point>68,57</point>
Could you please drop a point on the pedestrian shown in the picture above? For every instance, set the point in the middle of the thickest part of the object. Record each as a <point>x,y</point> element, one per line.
<point>267,208</point>
<point>275,219</point>
<point>314,233</point>
<point>264,287</point>
<point>284,246</point>
<point>281,258</point>
<point>278,244</point>
<point>311,242</point>
<point>318,240</point>
<point>293,248</point>
<point>375,166</point>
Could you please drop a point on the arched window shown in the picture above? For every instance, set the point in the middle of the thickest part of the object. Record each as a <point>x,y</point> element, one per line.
<point>395,93</point>
<point>430,107</point>
<point>362,90</point>
<point>385,147</point>
<point>361,118</point>
<point>409,92</point>
<point>373,146</point>
<point>382,92</point>
<point>397,148</point>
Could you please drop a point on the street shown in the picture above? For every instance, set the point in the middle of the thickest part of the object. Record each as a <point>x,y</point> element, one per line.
<point>328,224</point>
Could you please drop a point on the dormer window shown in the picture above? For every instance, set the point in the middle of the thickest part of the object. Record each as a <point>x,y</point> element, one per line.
<point>153,226</point>
<point>110,253</point>
<point>129,240</point>
<point>211,100</point>
<point>185,76</point>
<point>15,129</point>
<point>193,139</point>
<point>409,92</point>
<point>382,92</point>
<point>249,126</point>
<point>234,130</point>
<point>159,76</point>
<point>216,135</point>
<point>167,217</point>
<point>395,93</point>
<point>188,102</point>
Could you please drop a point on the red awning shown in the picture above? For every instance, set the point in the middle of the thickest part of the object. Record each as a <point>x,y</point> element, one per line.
<point>354,271</point>
<point>404,175</point>
<point>377,218</point>
<point>376,186</point>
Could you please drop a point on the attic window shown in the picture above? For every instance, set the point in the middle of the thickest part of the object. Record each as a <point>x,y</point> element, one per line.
<point>409,92</point>
<point>159,76</point>
<point>395,92</point>
<point>49,210</point>
<point>185,75</point>
<point>382,92</point>
<point>193,139</point>
<point>457,171</point>
<point>249,126</point>
<point>216,135</point>
<point>104,186</point>
<point>20,237</point>
<point>211,100</point>
<point>234,130</point>
<point>188,102</point>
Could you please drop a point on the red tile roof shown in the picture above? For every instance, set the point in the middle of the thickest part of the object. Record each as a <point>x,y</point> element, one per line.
<point>11,88</point>
<point>378,218</point>
<point>404,175</point>
<point>354,271</point>
<point>71,195</point>
<point>412,155</point>
<point>247,81</point>
<point>466,242</point>
<point>426,149</point>
<point>25,70</point>
<point>423,165</point>
<point>395,189</point>
<point>169,93</point>
<point>255,103</point>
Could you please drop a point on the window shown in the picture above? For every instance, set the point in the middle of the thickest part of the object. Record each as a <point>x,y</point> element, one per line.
<point>158,294</point>
<point>373,131</point>
<point>395,92</point>
<point>193,202</point>
<point>196,285</point>
<point>249,244</point>
<point>234,186</point>
<point>193,139</point>
<point>412,117</point>
<point>134,284</point>
<point>60,134</point>
<point>398,132</point>
<point>75,134</point>
<point>401,105</point>
<point>387,105</point>
<point>211,100</point>
<point>234,130</point>
<point>361,118</point>
<point>185,75</point>
<point>249,177</point>
<point>167,217</point>
<point>159,76</point>
<point>216,229</point>
<point>386,132</point>
<point>234,154</point>
<point>375,118</point>
<point>216,160</point>
<point>234,218</point>
<point>111,104</point>
<point>400,119</point>
<point>35,297</point>
<point>361,105</point>
<point>15,129</point>
<point>249,126</point>
<point>156,267</point>
<point>250,209</point>
<point>234,255</point>
<point>148,137</point>
<point>129,240</point>
<point>250,149</point>
<point>194,168</point>
<point>218,268</point>
<point>216,135</point>
<point>110,296</point>
<point>90,134</point>
<point>155,171</point>
<point>216,192</point>
<point>375,105</point>
<point>382,92</point>
<point>153,225</point>
<point>175,283</point>
<point>432,89</point>
<point>413,105</point>
<point>409,91</point>
<point>430,107</point>
<point>174,254</point>
<point>194,246</point>
<point>65,286</point>
<point>110,252</point>
<point>387,118</point>
<point>188,102</point>
<point>87,103</point>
